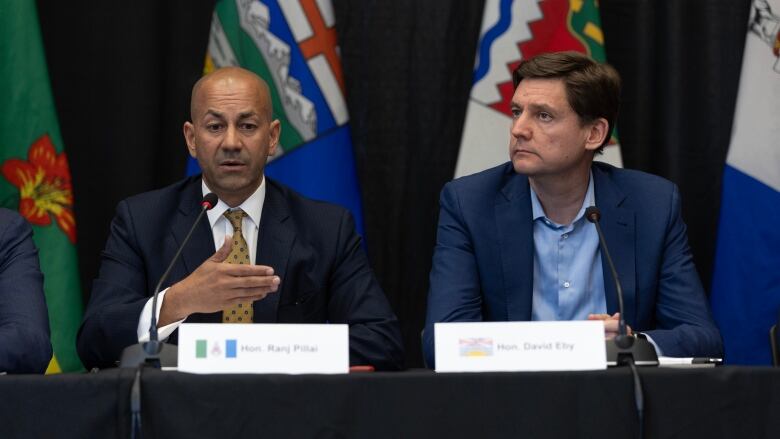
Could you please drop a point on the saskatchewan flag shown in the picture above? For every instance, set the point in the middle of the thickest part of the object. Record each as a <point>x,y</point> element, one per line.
<point>514,30</point>
<point>292,45</point>
<point>34,174</point>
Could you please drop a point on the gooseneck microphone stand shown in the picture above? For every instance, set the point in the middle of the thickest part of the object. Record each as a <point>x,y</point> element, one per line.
<point>625,349</point>
<point>155,353</point>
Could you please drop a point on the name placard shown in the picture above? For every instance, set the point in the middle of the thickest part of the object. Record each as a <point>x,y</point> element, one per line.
<point>519,346</point>
<point>264,348</point>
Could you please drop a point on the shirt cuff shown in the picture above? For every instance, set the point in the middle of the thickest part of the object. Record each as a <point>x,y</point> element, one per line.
<point>145,321</point>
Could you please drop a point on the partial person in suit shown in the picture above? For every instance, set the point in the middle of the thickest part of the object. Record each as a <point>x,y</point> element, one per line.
<point>24,321</point>
<point>293,260</point>
<point>513,243</point>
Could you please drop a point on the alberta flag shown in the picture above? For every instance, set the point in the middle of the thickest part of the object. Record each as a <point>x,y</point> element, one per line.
<point>34,173</point>
<point>513,30</point>
<point>746,285</point>
<point>292,45</point>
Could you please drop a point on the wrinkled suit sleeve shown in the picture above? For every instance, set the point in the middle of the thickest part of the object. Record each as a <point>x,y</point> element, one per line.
<point>357,299</point>
<point>118,296</point>
<point>684,325</point>
<point>24,322</point>
<point>455,292</point>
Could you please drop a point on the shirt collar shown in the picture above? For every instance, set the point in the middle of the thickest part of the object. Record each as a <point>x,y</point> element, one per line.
<point>253,206</point>
<point>538,212</point>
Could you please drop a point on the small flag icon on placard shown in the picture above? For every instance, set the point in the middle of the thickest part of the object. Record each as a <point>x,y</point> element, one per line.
<point>230,348</point>
<point>200,348</point>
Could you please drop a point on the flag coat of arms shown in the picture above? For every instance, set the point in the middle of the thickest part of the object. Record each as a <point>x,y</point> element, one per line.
<point>746,283</point>
<point>513,30</point>
<point>292,45</point>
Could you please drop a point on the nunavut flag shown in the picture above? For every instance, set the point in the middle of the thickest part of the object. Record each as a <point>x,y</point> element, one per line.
<point>513,30</point>
<point>34,174</point>
<point>292,45</point>
<point>746,283</point>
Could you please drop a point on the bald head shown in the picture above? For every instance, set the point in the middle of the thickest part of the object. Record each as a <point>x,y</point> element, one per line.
<point>231,80</point>
<point>232,132</point>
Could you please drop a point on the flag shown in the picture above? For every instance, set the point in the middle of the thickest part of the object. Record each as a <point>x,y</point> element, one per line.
<point>746,282</point>
<point>292,45</point>
<point>513,30</point>
<point>35,176</point>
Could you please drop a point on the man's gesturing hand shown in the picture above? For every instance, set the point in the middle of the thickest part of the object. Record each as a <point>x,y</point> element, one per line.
<point>216,285</point>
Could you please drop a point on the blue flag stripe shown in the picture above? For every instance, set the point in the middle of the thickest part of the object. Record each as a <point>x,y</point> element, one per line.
<point>323,169</point>
<point>483,54</point>
<point>746,284</point>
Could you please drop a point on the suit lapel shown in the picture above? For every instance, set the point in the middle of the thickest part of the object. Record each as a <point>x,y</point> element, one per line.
<point>515,231</point>
<point>618,225</point>
<point>201,244</point>
<point>274,244</point>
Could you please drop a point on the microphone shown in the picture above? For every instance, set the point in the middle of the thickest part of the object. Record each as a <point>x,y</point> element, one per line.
<point>624,347</point>
<point>153,352</point>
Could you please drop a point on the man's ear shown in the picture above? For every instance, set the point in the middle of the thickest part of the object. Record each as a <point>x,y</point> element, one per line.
<point>275,132</point>
<point>189,137</point>
<point>597,133</point>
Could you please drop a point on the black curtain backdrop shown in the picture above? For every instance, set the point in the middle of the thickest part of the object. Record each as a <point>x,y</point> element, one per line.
<point>121,74</point>
<point>408,69</point>
<point>680,62</point>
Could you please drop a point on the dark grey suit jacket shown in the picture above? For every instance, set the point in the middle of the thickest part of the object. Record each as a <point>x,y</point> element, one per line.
<point>24,320</point>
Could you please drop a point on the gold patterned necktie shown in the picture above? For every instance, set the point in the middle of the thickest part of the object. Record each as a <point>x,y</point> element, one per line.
<point>239,254</point>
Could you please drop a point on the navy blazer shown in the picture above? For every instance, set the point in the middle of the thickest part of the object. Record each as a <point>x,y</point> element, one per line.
<point>483,261</point>
<point>312,247</point>
<point>24,321</point>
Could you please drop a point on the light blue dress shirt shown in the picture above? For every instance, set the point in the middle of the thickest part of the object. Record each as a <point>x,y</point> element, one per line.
<point>568,278</point>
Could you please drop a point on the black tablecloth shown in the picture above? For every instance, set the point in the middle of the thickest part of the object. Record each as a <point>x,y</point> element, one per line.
<point>725,402</point>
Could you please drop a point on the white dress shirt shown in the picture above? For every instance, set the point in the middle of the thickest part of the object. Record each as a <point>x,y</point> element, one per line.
<point>220,228</point>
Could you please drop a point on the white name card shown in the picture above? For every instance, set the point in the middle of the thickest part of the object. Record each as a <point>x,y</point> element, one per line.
<point>519,346</point>
<point>263,348</point>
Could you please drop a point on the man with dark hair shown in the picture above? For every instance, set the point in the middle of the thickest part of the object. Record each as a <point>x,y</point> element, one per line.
<point>513,243</point>
<point>592,89</point>
<point>264,254</point>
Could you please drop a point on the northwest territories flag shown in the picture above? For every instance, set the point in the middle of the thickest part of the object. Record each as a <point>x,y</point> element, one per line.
<point>292,45</point>
<point>513,30</point>
<point>746,285</point>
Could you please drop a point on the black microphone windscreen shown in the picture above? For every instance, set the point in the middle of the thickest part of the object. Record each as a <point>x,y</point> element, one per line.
<point>593,214</point>
<point>209,201</point>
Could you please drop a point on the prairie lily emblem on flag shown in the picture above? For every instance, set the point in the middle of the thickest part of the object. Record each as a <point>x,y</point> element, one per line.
<point>766,25</point>
<point>476,347</point>
<point>44,186</point>
<point>202,351</point>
